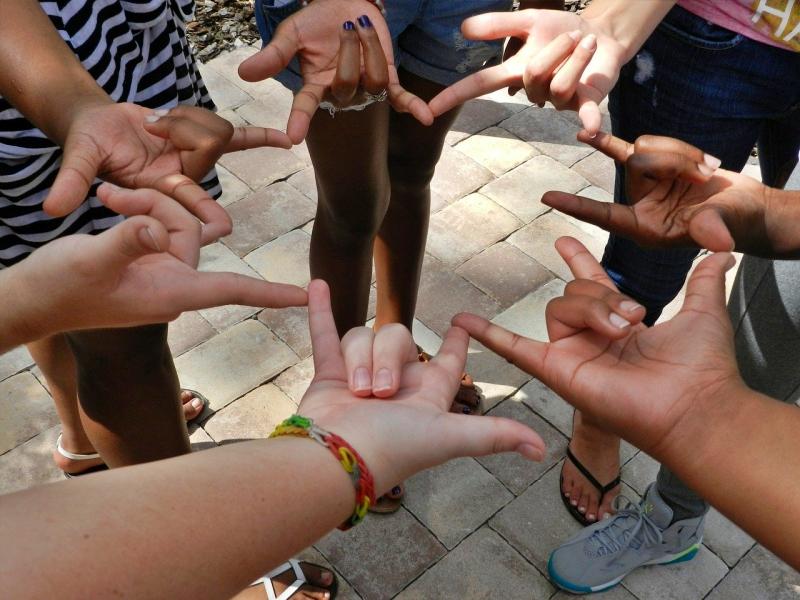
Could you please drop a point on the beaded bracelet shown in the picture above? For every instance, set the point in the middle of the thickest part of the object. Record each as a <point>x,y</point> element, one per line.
<point>378,4</point>
<point>351,460</point>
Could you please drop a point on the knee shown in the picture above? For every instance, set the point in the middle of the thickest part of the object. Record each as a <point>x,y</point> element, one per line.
<point>117,352</point>
<point>352,219</point>
<point>411,173</point>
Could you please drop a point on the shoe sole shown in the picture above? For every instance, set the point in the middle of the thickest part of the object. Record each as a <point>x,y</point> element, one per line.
<point>671,559</point>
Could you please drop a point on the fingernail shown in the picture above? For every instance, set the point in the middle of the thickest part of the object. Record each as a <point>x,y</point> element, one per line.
<point>197,403</point>
<point>161,112</point>
<point>575,35</point>
<point>383,380</point>
<point>712,161</point>
<point>589,42</point>
<point>705,169</point>
<point>531,452</point>
<point>630,305</point>
<point>150,240</point>
<point>111,187</point>
<point>152,118</point>
<point>618,321</point>
<point>361,379</point>
<point>364,21</point>
<point>349,26</point>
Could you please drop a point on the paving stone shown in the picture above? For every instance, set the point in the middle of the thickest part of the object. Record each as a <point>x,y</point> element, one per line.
<point>598,169</point>
<point>456,175</point>
<point>497,149</point>
<point>596,193</point>
<point>218,257</point>
<point>233,118</point>
<point>725,539</point>
<point>233,188</point>
<point>497,378</point>
<point>526,317</point>
<point>305,182</point>
<point>550,133</point>
<point>187,331</point>
<point>759,576</point>
<point>382,555</point>
<point>227,65</point>
<point>538,241</point>
<point>252,417</point>
<point>455,499</point>
<point>314,556</point>
<point>26,409</point>
<point>684,581</point>
<point>283,260</point>
<point>30,463</point>
<point>224,94</point>
<point>615,593</point>
<point>261,166</point>
<point>483,566</point>
<point>520,191</point>
<point>291,325</point>
<point>200,440</point>
<point>477,115</point>
<point>516,472</point>
<point>505,273</point>
<point>640,472</point>
<point>234,362</point>
<point>271,110</point>
<point>14,361</point>
<point>443,294</point>
<point>466,227</point>
<point>265,215</point>
<point>295,381</point>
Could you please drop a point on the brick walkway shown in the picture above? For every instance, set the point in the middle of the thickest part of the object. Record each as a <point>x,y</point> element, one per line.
<point>472,528</point>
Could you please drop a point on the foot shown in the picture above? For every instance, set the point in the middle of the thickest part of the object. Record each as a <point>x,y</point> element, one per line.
<point>601,555</point>
<point>192,405</point>
<point>319,582</point>
<point>390,502</point>
<point>598,451</point>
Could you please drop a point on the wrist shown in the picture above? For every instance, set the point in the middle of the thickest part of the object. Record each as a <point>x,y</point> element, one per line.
<point>77,101</point>
<point>629,24</point>
<point>19,324</point>
<point>781,217</point>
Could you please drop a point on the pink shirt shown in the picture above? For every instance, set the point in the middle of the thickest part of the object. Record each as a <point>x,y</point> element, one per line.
<point>774,22</point>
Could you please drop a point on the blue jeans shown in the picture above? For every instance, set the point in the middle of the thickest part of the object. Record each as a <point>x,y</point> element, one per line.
<point>719,91</point>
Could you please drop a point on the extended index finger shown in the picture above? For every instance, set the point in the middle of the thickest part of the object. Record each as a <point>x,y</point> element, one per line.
<point>610,145</point>
<point>581,262</point>
<point>483,82</point>
<point>327,349</point>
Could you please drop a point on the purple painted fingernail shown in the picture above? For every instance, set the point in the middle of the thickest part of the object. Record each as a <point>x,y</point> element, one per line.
<point>349,26</point>
<point>364,21</point>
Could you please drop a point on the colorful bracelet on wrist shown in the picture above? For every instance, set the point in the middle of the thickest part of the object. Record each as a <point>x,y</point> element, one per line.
<point>377,3</point>
<point>351,460</point>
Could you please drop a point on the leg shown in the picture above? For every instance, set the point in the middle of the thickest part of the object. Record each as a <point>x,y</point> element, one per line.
<point>349,155</point>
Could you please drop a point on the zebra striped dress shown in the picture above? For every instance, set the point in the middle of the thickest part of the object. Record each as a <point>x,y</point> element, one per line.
<point>138,52</point>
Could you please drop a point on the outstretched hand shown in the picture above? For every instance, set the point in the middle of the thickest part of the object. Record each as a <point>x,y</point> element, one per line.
<point>648,385</point>
<point>679,197</point>
<point>564,59</point>
<point>166,150</point>
<point>331,56</point>
<point>413,430</point>
<point>135,273</point>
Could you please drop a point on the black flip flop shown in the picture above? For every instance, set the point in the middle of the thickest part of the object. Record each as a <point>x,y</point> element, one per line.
<point>603,489</point>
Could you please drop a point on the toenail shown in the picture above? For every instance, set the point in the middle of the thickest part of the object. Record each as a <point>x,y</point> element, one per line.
<point>590,517</point>
<point>566,494</point>
<point>197,403</point>
<point>573,502</point>
<point>396,490</point>
<point>606,515</point>
<point>327,578</point>
<point>581,509</point>
<point>466,410</point>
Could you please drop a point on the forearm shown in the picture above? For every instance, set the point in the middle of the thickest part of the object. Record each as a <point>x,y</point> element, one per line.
<point>629,23</point>
<point>245,508</point>
<point>734,458</point>
<point>39,74</point>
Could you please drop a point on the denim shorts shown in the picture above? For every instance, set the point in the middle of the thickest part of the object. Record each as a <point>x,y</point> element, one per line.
<point>426,35</point>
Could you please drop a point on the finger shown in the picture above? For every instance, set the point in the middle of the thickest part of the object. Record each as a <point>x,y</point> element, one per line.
<point>608,144</point>
<point>645,170</point>
<point>216,221</point>
<point>498,25</point>
<point>610,315</point>
<point>452,355</point>
<point>200,146</point>
<point>589,111</point>
<point>709,228</point>
<point>223,288</point>
<point>128,241</point>
<point>245,138</point>
<point>658,144</point>
<point>404,101</point>
<point>526,354</point>
<point>305,105</point>
<point>463,435</point>
<point>328,360</point>
<point>565,82</point>
<point>275,56</point>
<point>617,218</point>
<point>705,291</point>
<point>79,167</point>
<point>357,350</point>
<point>202,116</point>
<point>540,70</point>
<point>483,82</point>
<point>582,264</point>
<point>393,349</point>
<point>348,70</point>
<point>376,71</point>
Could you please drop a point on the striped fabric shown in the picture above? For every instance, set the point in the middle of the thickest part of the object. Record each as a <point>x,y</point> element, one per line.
<point>138,52</point>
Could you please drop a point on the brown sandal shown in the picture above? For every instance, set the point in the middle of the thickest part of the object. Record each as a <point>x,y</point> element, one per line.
<point>469,398</point>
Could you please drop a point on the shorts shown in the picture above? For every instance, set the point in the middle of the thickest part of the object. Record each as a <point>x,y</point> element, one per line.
<point>426,35</point>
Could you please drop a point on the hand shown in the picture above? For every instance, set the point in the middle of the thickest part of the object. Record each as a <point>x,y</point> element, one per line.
<point>414,430</point>
<point>679,198</point>
<point>566,59</point>
<point>129,275</point>
<point>169,151</point>
<point>651,386</point>
<point>330,60</point>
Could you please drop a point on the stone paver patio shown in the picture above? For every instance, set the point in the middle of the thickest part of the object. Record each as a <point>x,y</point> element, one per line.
<point>469,529</point>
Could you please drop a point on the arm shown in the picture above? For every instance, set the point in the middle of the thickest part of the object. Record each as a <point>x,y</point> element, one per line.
<point>132,525</point>
<point>672,390</point>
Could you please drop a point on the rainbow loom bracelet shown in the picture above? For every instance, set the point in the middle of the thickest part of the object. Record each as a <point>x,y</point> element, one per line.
<point>350,460</point>
<point>377,3</point>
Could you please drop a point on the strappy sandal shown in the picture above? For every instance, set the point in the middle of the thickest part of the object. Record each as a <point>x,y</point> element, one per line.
<point>467,389</point>
<point>389,502</point>
<point>300,580</point>
<point>603,489</point>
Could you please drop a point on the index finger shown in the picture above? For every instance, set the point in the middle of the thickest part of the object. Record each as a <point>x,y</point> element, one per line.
<point>498,25</point>
<point>581,262</point>
<point>611,146</point>
<point>483,82</point>
<point>327,349</point>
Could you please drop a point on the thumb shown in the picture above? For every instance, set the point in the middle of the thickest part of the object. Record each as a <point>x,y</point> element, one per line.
<point>274,57</point>
<point>705,291</point>
<point>130,240</point>
<point>79,167</point>
<point>707,227</point>
<point>465,436</point>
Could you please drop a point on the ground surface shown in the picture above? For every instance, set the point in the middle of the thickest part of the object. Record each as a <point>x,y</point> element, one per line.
<point>471,529</point>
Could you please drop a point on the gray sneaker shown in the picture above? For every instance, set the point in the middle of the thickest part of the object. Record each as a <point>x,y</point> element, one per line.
<point>601,555</point>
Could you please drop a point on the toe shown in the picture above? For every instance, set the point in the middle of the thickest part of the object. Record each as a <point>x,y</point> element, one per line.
<point>192,405</point>
<point>575,495</point>
<point>583,503</point>
<point>591,509</point>
<point>317,576</point>
<point>607,506</point>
